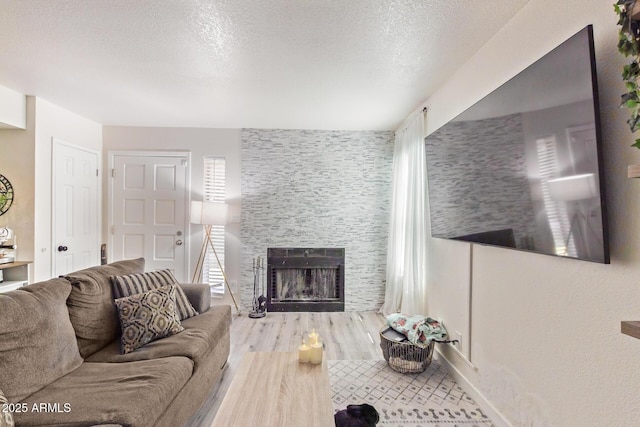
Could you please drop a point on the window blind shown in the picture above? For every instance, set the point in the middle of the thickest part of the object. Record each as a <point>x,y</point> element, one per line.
<point>214,191</point>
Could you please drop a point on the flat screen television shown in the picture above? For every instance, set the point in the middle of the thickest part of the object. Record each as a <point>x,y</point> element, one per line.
<point>522,168</point>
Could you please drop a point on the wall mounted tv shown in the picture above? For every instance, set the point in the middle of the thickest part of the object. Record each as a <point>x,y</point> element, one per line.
<point>522,168</point>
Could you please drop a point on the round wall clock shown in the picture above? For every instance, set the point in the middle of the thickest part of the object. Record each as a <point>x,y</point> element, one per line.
<point>6,194</point>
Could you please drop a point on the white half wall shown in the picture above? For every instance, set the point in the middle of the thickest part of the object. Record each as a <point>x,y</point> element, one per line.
<point>13,109</point>
<point>545,331</point>
<point>200,142</point>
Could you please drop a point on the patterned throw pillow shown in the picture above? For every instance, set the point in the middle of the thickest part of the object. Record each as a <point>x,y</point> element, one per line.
<point>131,284</point>
<point>147,317</point>
<point>6,419</point>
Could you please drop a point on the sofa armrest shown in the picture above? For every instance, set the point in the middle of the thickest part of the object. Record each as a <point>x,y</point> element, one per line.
<point>199,295</point>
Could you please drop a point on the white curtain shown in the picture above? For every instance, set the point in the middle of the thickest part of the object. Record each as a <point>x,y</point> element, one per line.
<point>408,233</point>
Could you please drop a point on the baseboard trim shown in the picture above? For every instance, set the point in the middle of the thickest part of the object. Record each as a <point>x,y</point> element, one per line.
<point>488,408</point>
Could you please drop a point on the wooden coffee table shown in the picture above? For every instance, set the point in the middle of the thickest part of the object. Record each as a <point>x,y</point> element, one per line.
<point>273,389</point>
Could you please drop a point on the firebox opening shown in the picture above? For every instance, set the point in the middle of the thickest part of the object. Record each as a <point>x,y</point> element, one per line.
<point>302,279</point>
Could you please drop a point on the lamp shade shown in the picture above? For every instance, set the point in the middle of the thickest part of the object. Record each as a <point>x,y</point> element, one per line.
<point>575,187</point>
<point>208,213</point>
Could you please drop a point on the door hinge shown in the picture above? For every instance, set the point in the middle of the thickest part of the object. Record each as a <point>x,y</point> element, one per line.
<point>113,229</point>
<point>113,173</point>
<point>97,172</point>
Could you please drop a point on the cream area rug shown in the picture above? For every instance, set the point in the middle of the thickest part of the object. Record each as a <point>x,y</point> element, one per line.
<point>429,399</point>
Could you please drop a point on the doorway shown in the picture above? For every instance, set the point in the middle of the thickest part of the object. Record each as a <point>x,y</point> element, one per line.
<point>75,208</point>
<point>148,199</point>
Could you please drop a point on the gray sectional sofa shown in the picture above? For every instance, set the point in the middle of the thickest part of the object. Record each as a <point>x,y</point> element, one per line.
<point>60,361</point>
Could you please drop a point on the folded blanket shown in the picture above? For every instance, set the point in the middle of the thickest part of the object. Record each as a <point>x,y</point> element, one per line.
<point>419,330</point>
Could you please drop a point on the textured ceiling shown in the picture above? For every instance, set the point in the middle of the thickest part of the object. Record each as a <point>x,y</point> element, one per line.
<point>298,64</point>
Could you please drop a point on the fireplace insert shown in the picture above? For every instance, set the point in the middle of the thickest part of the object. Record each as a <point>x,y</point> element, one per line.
<point>305,279</point>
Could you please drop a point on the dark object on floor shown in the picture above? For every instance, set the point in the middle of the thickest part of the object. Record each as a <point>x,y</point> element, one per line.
<point>357,416</point>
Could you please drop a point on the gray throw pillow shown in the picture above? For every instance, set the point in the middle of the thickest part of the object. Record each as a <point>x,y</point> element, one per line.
<point>131,284</point>
<point>147,317</point>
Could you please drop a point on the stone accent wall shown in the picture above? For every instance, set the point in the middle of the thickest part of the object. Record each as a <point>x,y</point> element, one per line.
<point>488,192</point>
<point>305,188</point>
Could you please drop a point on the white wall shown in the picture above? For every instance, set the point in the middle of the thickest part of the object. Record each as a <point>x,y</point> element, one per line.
<point>546,335</point>
<point>13,109</point>
<point>200,142</point>
<point>51,122</point>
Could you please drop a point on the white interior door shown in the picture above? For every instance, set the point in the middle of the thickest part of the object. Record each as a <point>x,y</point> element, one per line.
<point>148,209</point>
<point>75,205</point>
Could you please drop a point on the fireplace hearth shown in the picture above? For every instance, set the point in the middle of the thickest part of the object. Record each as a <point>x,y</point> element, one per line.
<point>305,279</point>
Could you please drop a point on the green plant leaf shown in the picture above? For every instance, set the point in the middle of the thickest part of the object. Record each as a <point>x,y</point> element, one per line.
<point>625,47</point>
<point>622,19</point>
<point>634,122</point>
<point>629,96</point>
<point>631,71</point>
<point>629,45</point>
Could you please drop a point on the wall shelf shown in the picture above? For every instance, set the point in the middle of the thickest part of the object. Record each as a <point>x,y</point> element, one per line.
<point>633,171</point>
<point>631,328</point>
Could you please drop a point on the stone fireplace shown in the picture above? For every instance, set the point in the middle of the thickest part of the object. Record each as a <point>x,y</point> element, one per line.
<point>305,279</point>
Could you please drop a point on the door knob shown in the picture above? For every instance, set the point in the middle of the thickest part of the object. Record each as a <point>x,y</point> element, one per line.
<point>178,242</point>
<point>62,248</point>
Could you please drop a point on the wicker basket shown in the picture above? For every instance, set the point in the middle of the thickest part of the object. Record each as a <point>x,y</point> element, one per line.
<point>405,357</point>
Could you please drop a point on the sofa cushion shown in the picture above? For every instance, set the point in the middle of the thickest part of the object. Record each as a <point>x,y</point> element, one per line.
<point>147,317</point>
<point>6,419</point>
<point>37,342</point>
<point>201,333</point>
<point>91,309</point>
<point>129,394</point>
<point>131,284</point>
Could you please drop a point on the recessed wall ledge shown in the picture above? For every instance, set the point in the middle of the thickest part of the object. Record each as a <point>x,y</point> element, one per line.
<point>13,109</point>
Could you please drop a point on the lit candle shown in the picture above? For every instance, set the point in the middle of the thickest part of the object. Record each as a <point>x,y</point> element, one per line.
<point>304,352</point>
<point>313,337</point>
<point>315,355</point>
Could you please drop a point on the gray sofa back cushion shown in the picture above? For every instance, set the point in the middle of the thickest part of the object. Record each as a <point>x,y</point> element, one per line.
<point>37,342</point>
<point>91,308</point>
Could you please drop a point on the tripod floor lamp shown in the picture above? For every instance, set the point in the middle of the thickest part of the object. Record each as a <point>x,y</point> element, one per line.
<point>209,214</point>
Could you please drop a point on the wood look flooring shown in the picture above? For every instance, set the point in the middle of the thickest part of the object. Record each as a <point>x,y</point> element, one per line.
<point>346,336</point>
